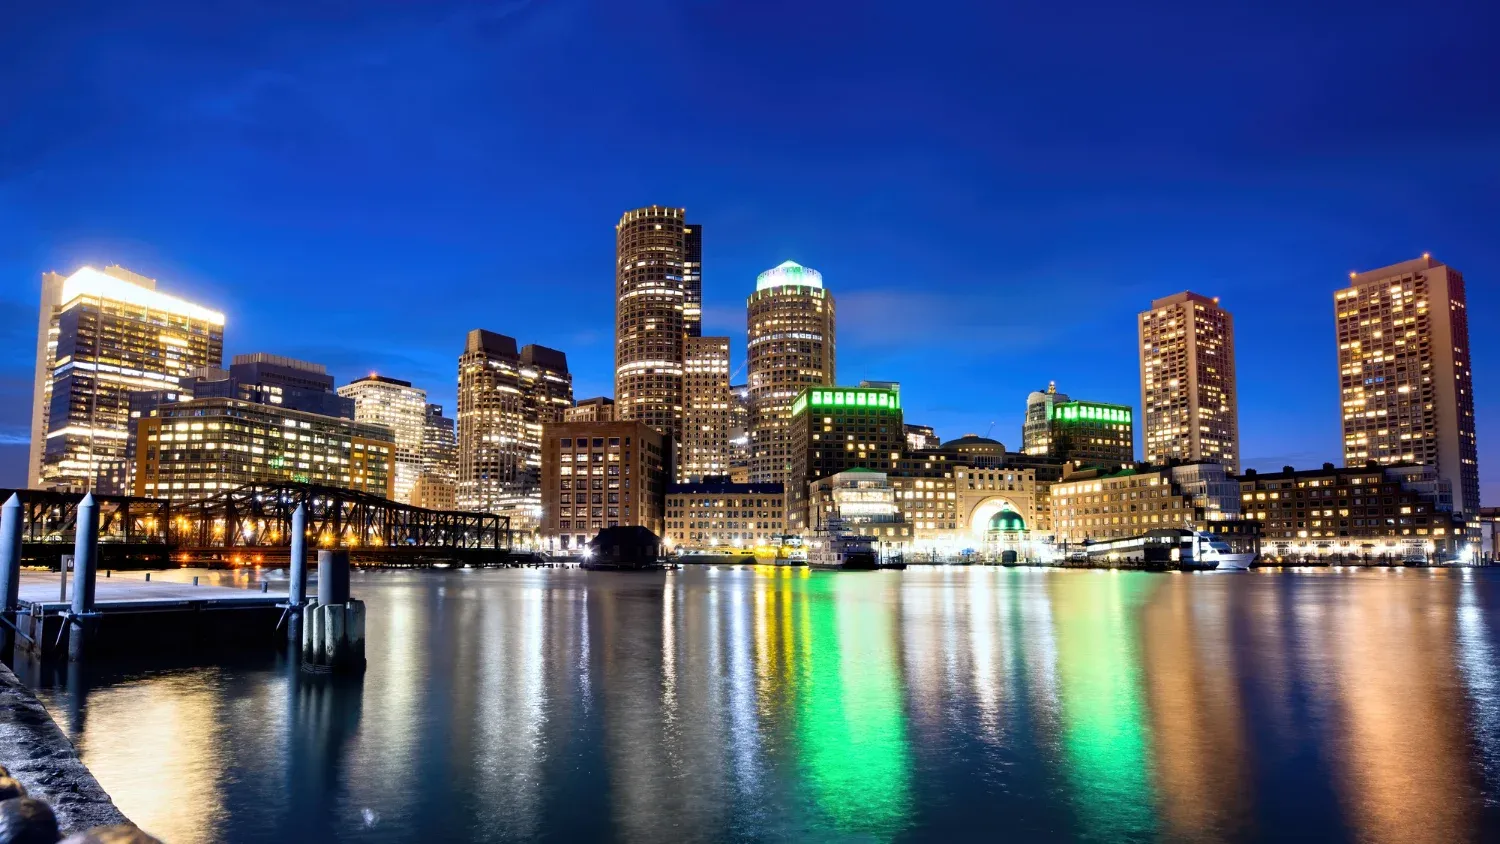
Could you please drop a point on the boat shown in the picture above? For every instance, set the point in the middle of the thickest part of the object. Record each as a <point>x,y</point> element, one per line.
<point>1210,548</point>
<point>782,550</point>
<point>1161,550</point>
<point>834,547</point>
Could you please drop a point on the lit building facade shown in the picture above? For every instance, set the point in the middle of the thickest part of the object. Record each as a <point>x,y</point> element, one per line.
<point>437,486</point>
<point>597,475</point>
<point>110,333</point>
<point>505,396</point>
<point>597,409</point>
<point>1091,434</point>
<point>1098,505</point>
<point>860,501</point>
<point>1189,403</point>
<point>1036,429</point>
<point>195,449</point>
<point>707,406</point>
<point>651,324</point>
<point>692,280</point>
<point>836,429</point>
<point>791,347</point>
<point>720,515</point>
<point>919,437</point>
<point>1405,383</point>
<point>402,408</point>
<point>1374,514</point>
<point>739,433</point>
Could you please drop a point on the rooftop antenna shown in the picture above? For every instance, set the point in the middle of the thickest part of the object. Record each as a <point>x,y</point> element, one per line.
<point>988,430</point>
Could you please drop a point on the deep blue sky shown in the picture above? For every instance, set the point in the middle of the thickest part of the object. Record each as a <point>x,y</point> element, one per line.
<point>991,190</point>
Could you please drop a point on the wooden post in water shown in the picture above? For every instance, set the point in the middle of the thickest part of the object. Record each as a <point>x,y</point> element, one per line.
<point>333,632</point>
<point>85,564</point>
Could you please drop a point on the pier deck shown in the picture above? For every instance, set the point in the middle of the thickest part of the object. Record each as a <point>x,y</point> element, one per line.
<point>136,593</point>
<point>134,616</point>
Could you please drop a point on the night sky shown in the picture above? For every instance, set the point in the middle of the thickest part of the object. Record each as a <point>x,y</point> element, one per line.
<point>991,190</point>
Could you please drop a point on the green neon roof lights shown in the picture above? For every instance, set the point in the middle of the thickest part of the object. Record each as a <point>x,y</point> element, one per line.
<point>789,273</point>
<point>860,397</point>
<point>1085,411</point>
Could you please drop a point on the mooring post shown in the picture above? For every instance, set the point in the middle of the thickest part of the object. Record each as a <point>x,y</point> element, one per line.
<point>85,564</point>
<point>10,567</point>
<point>333,635</point>
<point>296,590</point>
<point>64,565</point>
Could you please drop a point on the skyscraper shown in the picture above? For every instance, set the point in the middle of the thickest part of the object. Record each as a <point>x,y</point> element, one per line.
<point>790,323</point>
<point>1188,396</point>
<point>692,281</point>
<point>437,488</point>
<point>1405,383</point>
<point>652,308</point>
<point>706,411</point>
<point>107,334</point>
<point>1036,431</point>
<point>504,398</point>
<point>402,408</point>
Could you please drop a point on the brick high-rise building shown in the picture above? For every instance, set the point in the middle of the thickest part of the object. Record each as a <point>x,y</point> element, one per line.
<point>598,475</point>
<point>655,309</point>
<point>1189,405</point>
<point>1405,382</point>
<point>707,406</point>
<point>790,323</point>
<point>505,396</point>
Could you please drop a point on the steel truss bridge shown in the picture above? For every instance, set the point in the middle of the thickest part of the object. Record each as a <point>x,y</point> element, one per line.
<point>253,524</point>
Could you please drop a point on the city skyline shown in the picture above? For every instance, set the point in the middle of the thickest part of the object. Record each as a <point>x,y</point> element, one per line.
<point>962,260</point>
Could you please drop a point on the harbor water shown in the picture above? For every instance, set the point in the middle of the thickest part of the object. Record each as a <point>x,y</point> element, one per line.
<point>762,704</point>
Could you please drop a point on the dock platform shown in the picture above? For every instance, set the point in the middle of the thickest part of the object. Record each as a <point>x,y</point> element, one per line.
<point>133,613</point>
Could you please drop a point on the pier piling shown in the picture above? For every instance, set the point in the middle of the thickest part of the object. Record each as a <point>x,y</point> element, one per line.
<point>10,567</point>
<point>333,633</point>
<point>85,565</point>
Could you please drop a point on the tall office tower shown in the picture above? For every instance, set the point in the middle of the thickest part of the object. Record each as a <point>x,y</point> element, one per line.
<point>791,347</point>
<point>692,280</point>
<point>652,302</point>
<point>402,408</point>
<point>437,486</point>
<point>739,427</point>
<point>108,333</point>
<point>706,410</point>
<point>1036,431</point>
<point>504,399</point>
<point>1188,395</point>
<point>1404,376</point>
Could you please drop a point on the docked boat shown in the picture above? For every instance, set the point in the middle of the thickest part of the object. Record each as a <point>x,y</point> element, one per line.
<point>835,547</point>
<point>783,550</point>
<point>1163,549</point>
<point>1212,548</point>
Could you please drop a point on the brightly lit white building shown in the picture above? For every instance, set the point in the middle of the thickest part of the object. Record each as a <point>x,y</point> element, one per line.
<point>102,335</point>
<point>402,408</point>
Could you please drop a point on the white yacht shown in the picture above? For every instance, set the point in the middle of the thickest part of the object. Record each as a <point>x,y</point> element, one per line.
<point>1211,549</point>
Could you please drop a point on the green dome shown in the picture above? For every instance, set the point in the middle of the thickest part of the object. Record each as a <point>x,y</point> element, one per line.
<point>1007,520</point>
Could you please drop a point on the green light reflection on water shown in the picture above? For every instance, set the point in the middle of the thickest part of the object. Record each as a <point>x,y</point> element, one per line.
<point>1106,734</point>
<point>851,721</point>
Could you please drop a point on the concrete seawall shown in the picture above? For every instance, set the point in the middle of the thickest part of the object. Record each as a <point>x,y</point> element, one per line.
<point>39,755</point>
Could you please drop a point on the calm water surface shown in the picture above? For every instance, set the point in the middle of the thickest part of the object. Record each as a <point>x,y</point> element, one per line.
<point>757,704</point>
